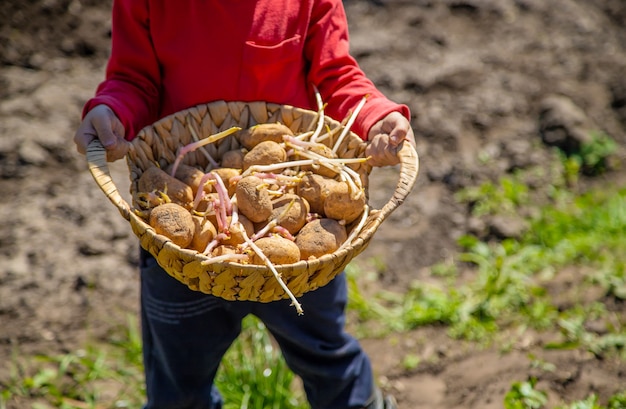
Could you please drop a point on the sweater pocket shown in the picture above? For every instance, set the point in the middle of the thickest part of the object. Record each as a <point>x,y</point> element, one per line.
<point>259,53</point>
<point>274,72</point>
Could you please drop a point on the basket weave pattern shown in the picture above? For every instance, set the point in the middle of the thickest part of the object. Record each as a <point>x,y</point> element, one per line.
<point>159,143</point>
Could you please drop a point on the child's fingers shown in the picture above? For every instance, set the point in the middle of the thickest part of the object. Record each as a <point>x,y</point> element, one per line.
<point>382,152</point>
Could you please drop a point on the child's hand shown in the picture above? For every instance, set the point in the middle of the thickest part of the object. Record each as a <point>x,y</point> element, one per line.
<point>386,138</point>
<point>102,123</point>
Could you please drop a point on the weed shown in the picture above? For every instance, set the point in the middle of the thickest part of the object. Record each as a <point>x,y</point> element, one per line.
<point>253,373</point>
<point>593,155</point>
<point>100,375</point>
<point>110,375</point>
<point>523,395</point>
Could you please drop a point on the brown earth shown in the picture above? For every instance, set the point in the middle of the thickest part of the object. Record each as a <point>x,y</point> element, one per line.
<point>496,79</point>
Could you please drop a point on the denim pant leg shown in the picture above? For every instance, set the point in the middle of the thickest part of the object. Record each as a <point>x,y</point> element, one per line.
<point>185,335</point>
<point>335,370</point>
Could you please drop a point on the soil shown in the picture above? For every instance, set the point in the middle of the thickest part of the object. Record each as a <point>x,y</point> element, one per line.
<point>500,79</point>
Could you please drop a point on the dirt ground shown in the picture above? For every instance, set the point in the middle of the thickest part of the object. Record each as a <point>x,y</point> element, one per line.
<point>502,79</point>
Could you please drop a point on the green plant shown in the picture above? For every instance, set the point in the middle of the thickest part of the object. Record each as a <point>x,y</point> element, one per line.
<point>78,379</point>
<point>253,374</point>
<point>503,197</point>
<point>617,401</point>
<point>589,403</point>
<point>594,154</point>
<point>523,395</point>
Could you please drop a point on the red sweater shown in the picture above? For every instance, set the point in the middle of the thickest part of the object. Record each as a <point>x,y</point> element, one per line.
<point>170,55</point>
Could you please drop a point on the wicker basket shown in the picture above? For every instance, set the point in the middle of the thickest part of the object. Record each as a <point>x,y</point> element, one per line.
<point>232,281</point>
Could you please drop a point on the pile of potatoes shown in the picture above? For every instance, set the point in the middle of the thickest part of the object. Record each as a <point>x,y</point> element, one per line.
<point>263,201</point>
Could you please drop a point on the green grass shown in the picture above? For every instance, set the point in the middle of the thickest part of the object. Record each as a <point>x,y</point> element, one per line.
<point>525,395</point>
<point>97,376</point>
<point>509,284</point>
<point>109,375</point>
<point>254,375</point>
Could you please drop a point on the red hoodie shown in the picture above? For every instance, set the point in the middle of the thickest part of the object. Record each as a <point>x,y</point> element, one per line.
<point>169,55</point>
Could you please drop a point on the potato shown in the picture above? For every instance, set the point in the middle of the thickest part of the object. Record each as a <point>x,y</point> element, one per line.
<point>291,212</point>
<point>264,153</point>
<point>204,233</point>
<point>156,179</point>
<point>315,189</point>
<point>190,176</point>
<point>236,236</point>
<point>343,204</point>
<point>227,174</point>
<point>277,249</point>
<point>253,200</point>
<point>326,152</point>
<point>319,237</point>
<point>233,159</point>
<point>206,203</point>
<point>174,222</point>
<point>252,136</point>
<point>223,249</point>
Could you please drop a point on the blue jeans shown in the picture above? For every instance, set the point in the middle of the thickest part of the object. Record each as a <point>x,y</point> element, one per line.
<point>186,334</point>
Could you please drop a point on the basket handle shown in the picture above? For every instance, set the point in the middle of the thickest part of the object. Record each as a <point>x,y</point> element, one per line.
<point>99,169</point>
<point>409,168</point>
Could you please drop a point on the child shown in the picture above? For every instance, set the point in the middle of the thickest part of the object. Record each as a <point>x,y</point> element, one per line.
<point>167,56</point>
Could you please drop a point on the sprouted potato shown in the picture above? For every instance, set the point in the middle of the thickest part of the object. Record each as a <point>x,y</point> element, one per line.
<point>253,200</point>
<point>233,159</point>
<point>314,189</point>
<point>204,233</point>
<point>155,179</point>
<point>343,203</point>
<point>189,175</point>
<point>290,212</point>
<point>173,221</point>
<point>319,237</point>
<point>277,249</point>
<point>264,153</point>
<point>252,136</point>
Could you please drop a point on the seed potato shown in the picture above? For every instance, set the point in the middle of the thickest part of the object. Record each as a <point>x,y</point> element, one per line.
<point>253,200</point>
<point>277,249</point>
<point>156,179</point>
<point>319,237</point>
<point>264,153</point>
<point>344,204</point>
<point>174,222</point>
<point>252,136</point>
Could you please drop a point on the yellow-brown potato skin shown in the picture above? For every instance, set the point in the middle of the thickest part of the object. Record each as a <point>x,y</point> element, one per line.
<point>190,176</point>
<point>319,237</point>
<point>226,174</point>
<point>315,189</point>
<point>291,211</point>
<point>252,136</point>
<point>278,250</point>
<point>233,159</point>
<point>326,152</point>
<point>236,235</point>
<point>173,221</point>
<point>265,153</point>
<point>156,179</point>
<point>342,204</point>
<point>204,233</point>
<point>253,201</point>
<point>223,249</point>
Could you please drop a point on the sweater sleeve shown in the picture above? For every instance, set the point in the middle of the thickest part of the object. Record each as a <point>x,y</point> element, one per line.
<point>132,84</point>
<point>341,82</point>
